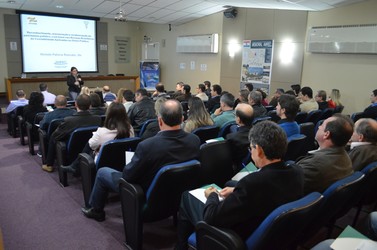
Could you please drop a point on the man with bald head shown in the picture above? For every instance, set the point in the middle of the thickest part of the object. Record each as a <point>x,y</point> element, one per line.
<point>59,112</point>
<point>171,145</point>
<point>239,140</point>
<point>331,162</point>
<point>363,143</point>
<point>108,96</point>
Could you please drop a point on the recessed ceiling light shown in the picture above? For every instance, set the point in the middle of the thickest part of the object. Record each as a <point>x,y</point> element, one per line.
<point>59,6</point>
<point>11,2</point>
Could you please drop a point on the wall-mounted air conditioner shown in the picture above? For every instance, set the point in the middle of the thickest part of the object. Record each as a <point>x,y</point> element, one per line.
<point>360,39</point>
<point>208,43</point>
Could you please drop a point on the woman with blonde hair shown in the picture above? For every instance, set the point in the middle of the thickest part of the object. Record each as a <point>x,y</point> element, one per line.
<point>334,99</point>
<point>120,95</point>
<point>198,115</point>
<point>85,90</point>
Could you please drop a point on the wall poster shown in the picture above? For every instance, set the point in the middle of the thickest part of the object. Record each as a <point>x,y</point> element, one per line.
<point>257,63</point>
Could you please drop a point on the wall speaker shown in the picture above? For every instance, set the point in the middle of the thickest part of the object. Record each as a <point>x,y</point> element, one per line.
<point>230,13</point>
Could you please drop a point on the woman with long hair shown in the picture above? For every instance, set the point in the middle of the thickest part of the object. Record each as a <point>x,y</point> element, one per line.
<point>198,115</point>
<point>117,125</point>
<point>334,99</point>
<point>35,106</point>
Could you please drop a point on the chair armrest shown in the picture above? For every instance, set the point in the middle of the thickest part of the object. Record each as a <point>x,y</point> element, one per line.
<point>21,129</point>
<point>42,134</point>
<point>61,158</point>
<point>30,136</point>
<point>88,175</point>
<point>132,199</point>
<point>210,237</point>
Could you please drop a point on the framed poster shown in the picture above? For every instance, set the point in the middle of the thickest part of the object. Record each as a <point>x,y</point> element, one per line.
<point>257,63</point>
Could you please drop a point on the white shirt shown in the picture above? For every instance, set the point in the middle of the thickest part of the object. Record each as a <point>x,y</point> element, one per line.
<point>203,96</point>
<point>358,143</point>
<point>49,98</point>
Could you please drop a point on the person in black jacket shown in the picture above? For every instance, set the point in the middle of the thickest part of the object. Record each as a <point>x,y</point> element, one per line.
<point>82,118</point>
<point>74,83</point>
<point>254,197</point>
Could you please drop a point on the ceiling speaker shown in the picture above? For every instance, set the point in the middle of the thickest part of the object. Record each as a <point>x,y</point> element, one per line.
<point>230,13</point>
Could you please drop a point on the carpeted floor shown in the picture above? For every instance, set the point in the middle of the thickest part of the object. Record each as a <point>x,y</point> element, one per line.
<point>37,213</point>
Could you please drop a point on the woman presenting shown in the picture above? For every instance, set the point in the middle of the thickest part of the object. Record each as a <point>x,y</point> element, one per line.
<point>74,83</point>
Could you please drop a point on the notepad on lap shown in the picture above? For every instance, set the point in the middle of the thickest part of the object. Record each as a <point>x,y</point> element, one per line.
<point>249,168</point>
<point>199,192</point>
<point>128,156</point>
<point>352,239</point>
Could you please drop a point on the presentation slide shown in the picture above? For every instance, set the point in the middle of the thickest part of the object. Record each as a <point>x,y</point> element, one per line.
<point>55,44</point>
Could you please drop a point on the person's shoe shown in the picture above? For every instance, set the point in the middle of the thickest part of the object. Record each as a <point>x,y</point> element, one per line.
<point>39,155</point>
<point>47,168</point>
<point>93,214</point>
<point>68,169</point>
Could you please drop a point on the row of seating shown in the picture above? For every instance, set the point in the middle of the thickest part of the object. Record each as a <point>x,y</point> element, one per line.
<point>292,224</point>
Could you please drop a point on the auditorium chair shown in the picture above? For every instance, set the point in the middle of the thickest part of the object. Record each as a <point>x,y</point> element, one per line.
<point>21,129</point>
<point>307,129</point>
<point>12,120</point>
<point>261,118</point>
<point>44,137</point>
<point>296,147</point>
<point>67,152</point>
<point>111,154</point>
<point>216,163</point>
<point>277,231</point>
<point>144,126</point>
<point>159,202</point>
<point>32,131</point>
<point>338,109</point>
<point>314,116</point>
<point>368,193</point>
<point>226,128</point>
<point>326,113</point>
<point>356,116</point>
<point>206,132</point>
<point>301,117</point>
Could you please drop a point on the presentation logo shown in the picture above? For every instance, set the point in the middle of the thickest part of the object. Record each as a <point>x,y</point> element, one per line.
<point>32,20</point>
<point>60,64</point>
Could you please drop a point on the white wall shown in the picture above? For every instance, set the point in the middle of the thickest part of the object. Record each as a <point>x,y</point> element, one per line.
<point>353,74</point>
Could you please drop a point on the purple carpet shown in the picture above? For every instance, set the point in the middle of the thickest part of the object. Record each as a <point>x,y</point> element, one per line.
<point>37,213</point>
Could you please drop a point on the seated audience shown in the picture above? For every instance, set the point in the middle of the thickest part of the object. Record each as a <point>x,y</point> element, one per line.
<point>96,106</point>
<point>207,84</point>
<point>21,101</point>
<point>49,98</point>
<point>116,126</point>
<point>82,118</point>
<point>141,110</point>
<point>108,96</point>
<point>225,113</point>
<point>371,110</point>
<point>35,106</point>
<point>321,99</point>
<point>119,95</point>
<point>243,96</point>
<point>160,92</point>
<point>85,90</point>
<point>214,101</point>
<point>128,99</point>
<point>255,100</point>
<point>171,145</point>
<point>275,97</point>
<point>249,86</point>
<point>59,112</point>
<point>178,90</point>
<point>264,100</point>
<point>296,89</point>
<point>254,197</point>
<point>287,109</point>
<point>201,92</point>
<point>331,162</point>
<point>363,143</point>
<point>334,99</point>
<point>239,141</point>
<point>153,128</point>
<point>307,102</point>
<point>186,94</point>
<point>198,115</point>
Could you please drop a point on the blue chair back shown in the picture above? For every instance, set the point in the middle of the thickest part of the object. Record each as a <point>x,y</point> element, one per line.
<point>206,132</point>
<point>76,142</point>
<point>144,126</point>
<point>112,153</point>
<point>277,231</point>
<point>225,129</point>
<point>301,117</point>
<point>261,118</point>
<point>281,227</point>
<point>338,109</point>
<point>314,116</point>
<point>296,147</point>
<point>307,128</point>
<point>356,116</point>
<point>326,113</point>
